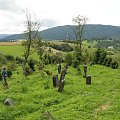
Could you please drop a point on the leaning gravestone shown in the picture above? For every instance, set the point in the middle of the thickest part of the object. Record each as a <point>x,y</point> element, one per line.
<point>9,102</point>
<point>55,81</point>
<point>61,86</point>
<point>59,68</point>
<point>62,75</point>
<point>85,71</point>
<point>88,80</point>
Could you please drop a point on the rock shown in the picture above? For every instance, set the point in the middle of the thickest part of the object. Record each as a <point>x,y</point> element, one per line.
<point>9,102</point>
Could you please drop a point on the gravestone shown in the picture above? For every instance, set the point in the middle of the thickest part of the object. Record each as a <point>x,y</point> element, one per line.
<point>88,80</point>
<point>59,68</point>
<point>61,86</point>
<point>85,71</point>
<point>9,102</point>
<point>63,73</point>
<point>55,81</point>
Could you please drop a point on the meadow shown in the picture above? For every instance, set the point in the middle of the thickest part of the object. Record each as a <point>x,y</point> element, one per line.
<point>36,98</point>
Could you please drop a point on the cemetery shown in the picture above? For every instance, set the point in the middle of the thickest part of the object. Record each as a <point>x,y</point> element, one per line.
<point>59,90</point>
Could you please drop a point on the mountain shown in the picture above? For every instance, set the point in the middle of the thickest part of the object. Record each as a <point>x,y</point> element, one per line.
<point>61,32</point>
<point>4,35</point>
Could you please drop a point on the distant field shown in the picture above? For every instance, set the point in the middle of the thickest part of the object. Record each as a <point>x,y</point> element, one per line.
<point>9,43</point>
<point>12,50</point>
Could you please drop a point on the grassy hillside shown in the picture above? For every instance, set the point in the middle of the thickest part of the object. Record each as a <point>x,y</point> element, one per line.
<point>36,99</point>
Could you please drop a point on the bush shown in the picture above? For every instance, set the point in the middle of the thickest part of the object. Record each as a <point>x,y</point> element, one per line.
<point>108,62</point>
<point>114,64</point>
<point>9,57</point>
<point>100,56</point>
<point>12,65</point>
<point>19,60</point>
<point>9,73</point>
<point>69,58</point>
<point>3,60</point>
<point>62,47</point>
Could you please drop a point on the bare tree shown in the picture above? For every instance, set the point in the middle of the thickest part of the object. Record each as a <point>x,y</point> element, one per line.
<point>32,28</point>
<point>79,24</point>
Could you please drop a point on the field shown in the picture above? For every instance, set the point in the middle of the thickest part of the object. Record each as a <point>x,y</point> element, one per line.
<point>36,98</point>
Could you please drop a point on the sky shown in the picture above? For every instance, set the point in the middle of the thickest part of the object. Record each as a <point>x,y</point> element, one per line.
<point>52,13</point>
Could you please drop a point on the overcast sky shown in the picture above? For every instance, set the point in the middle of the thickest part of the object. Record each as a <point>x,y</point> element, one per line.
<point>53,13</point>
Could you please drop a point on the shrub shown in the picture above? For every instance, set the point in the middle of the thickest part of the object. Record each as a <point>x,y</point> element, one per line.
<point>19,60</point>
<point>62,47</point>
<point>100,56</point>
<point>69,58</point>
<point>3,60</point>
<point>9,73</point>
<point>114,64</point>
<point>9,57</point>
<point>12,65</point>
<point>108,62</point>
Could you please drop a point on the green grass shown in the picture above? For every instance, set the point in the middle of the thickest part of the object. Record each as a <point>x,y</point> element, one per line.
<point>16,51</point>
<point>12,50</point>
<point>36,99</point>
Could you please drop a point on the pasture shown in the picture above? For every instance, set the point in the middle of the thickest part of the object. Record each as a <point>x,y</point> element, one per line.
<point>36,98</point>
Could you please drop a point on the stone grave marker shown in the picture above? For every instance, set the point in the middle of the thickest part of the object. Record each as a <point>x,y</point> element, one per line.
<point>88,80</point>
<point>61,86</point>
<point>55,81</point>
<point>59,68</point>
<point>63,73</point>
<point>9,102</point>
<point>85,71</point>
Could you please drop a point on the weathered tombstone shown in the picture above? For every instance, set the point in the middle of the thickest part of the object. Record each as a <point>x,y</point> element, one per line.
<point>85,71</point>
<point>88,80</point>
<point>59,68</point>
<point>9,102</point>
<point>62,75</point>
<point>61,86</point>
<point>55,81</point>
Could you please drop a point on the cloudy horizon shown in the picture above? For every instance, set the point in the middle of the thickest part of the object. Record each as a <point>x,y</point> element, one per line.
<point>54,13</point>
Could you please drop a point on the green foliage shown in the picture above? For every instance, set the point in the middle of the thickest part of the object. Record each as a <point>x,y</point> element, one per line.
<point>3,60</point>
<point>12,65</point>
<point>114,64</point>
<point>100,56</point>
<point>9,73</point>
<point>9,57</point>
<point>69,58</point>
<point>62,47</point>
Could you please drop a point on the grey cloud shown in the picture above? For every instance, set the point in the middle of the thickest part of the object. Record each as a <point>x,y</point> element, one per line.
<point>8,5</point>
<point>49,22</point>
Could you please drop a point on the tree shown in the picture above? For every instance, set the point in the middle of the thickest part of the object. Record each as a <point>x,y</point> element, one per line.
<point>79,22</point>
<point>31,33</point>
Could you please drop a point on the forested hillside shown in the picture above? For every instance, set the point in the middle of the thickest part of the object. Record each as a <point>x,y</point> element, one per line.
<point>61,32</point>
